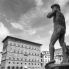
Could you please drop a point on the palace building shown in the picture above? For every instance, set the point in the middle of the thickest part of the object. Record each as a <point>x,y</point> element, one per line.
<point>20,54</point>
<point>57,56</point>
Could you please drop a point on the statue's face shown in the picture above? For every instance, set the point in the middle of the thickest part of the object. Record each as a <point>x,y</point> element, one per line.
<point>54,8</point>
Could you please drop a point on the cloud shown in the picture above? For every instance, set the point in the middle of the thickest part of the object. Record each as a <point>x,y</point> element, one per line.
<point>39,2</point>
<point>62,3</point>
<point>27,19</point>
<point>67,24</point>
<point>15,8</point>
<point>35,18</point>
<point>17,26</point>
<point>3,31</point>
<point>31,31</point>
<point>67,30</point>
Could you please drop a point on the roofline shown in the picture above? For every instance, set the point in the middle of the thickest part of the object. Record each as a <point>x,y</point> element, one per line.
<point>21,40</point>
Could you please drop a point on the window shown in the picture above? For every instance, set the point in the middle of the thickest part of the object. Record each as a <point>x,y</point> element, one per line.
<point>32,53</point>
<point>29,63</point>
<point>38,54</point>
<point>29,47</point>
<point>13,62</point>
<point>29,60</point>
<point>9,58</point>
<point>25,63</point>
<point>13,67</point>
<point>17,63</point>
<point>13,58</point>
<point>9,62</point>
<point>8,67</point>
<point>2,67</point>
<point>22,45</point>
<point>25,59</point>
<point>17,58</point>
<point>41,64</point>
<point>21,67</point>
<point>45,57</point>
<point>32,60</point>
<point>18,45</point>
<point>17,67</point>
<point>21,63</point>
<point>41,60</point>
<point>10,44</point>
<point>29,53</point>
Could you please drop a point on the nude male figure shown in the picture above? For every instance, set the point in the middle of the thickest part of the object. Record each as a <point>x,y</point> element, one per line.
<point>59,31</point>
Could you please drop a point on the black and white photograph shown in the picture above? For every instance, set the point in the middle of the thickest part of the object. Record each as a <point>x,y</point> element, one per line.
<point>34,34</point>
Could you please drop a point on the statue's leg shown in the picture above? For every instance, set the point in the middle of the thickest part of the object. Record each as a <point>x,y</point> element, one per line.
<point>64,48</point>
<point>54,38</point>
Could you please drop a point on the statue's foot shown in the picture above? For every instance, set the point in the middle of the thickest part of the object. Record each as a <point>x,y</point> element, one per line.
<point>50,62</point>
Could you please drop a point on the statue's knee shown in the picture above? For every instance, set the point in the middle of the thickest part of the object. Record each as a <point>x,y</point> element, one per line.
<point>62,44</point>
<point>51,46</point>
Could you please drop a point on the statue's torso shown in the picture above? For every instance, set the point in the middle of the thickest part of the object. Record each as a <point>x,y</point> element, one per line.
<point>59,21</point>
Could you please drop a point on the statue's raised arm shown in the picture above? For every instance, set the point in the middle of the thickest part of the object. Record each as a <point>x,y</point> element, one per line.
<point>51,14</point>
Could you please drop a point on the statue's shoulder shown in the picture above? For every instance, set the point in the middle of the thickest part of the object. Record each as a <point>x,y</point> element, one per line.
<point>61,14</point>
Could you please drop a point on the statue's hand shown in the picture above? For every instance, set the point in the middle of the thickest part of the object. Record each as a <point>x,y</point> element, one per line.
<point>49,15</point>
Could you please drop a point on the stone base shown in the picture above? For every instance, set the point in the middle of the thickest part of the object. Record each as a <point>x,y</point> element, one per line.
<point>58,66</point>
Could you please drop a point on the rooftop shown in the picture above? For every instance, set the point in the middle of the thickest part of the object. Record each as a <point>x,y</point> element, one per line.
<point>8,37</point>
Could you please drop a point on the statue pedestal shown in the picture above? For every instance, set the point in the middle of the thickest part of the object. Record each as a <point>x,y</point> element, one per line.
<point>58,66</point>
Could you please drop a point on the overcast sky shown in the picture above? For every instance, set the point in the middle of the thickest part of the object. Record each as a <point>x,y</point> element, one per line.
<point>26,19</point>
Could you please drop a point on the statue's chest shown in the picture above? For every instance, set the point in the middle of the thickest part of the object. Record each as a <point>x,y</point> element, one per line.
<point>57,18</point>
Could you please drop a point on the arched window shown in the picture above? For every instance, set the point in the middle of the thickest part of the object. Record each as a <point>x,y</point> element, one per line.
<point>21,67</point>
<point>8,67</point>
<point>13,67</point>
<point>17,58</point>
<point>25,59</point>
<point>17,67</point>
<point>29,60</point>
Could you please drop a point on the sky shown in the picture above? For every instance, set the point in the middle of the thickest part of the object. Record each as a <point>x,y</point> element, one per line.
<point>26,19</point>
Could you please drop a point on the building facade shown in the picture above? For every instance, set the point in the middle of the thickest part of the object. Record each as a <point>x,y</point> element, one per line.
<point>19,53</point>
<point>57,56</point>
<point>46,57</point>
<point>42,60</point>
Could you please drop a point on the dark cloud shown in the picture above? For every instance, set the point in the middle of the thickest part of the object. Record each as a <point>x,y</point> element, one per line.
<point>15,8</point>
<point>47,3</point>
<point>66,7</point>
<point>40,22</point>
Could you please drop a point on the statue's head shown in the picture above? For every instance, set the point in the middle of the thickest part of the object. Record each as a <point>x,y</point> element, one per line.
<point>55,7</point>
